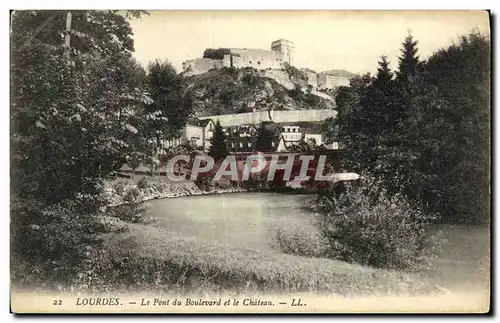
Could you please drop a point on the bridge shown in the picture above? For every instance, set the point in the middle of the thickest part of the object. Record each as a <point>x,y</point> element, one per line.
<point>289,116</point>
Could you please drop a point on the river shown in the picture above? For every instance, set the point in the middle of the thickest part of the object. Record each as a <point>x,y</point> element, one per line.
<point>247,219</point>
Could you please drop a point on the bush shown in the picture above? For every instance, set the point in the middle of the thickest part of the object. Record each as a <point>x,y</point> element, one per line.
<point>51,243</point>
<point>363,225</point>
<point>120,187</point>
<point>298,241</point>
<point>132,212</point>
<point>133,195</point>
<point>143,183</point>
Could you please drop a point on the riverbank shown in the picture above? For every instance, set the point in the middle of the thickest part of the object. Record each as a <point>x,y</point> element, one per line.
<point>119,192</point>
<point>167,261</point>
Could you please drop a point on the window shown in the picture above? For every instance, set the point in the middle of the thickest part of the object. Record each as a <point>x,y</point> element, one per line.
<point>258,63</point>
<point>250,62</point>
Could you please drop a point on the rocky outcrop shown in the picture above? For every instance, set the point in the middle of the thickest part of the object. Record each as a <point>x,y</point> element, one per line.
<point>228,91</point>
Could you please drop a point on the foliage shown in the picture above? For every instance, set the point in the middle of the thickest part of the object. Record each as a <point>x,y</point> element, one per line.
<point>228,90</point>
<point>71,116</point>
<point>215,53</point>
<point>462,75</point>
<point>51,242</point>
<point>218,146</point>
<point>305,145</point>
<point>143,183</point>
<point>418,132</point>
<point>267,138</point>
<point>119,187</point>
<point>171,107</point>
<point>363,224</point>
<point>299,241</point>
<point>131,212</point>
<point>409,60</point>
<point>296,75</point>
<point>73,122</point>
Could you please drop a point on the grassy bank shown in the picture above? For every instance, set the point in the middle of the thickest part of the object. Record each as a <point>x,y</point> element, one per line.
<point>157,259</point>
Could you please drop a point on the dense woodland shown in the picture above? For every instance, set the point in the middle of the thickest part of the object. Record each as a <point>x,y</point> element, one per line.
<point>424,129</point>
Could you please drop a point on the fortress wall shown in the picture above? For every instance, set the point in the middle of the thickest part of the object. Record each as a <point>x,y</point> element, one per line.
<point>281,77</point>
<point>229,120</point>
<point>277,74</point>
<point>312,78</point>
<point>201,65</point>
<point>330,81</point>
<point>257,58</point>
<point>226,61</point>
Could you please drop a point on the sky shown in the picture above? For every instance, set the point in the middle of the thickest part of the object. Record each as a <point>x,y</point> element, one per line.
<point>324,40</point>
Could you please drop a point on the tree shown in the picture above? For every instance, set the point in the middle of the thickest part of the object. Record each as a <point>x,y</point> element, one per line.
<point>73,121</point>
<point>425,134</point>
<point>72,116</point>
<point>349,126</point>
<point>268,134</point>
<point>134,162</point>
<point>409,60</point>
<point>216,53</point>
<point>384,73</point>
<point>461,73</point>
<point>387,130</point>
<point>218,146</point>
<point>171,106</point>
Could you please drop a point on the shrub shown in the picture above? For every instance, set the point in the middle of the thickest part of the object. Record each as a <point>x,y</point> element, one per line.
<point>51,243</point>
<point>298,241</point>
<point>143,183</point>
<point>133,195</point>
<point>363,225</point>
<point>132,212</point>
<point>120,187</point>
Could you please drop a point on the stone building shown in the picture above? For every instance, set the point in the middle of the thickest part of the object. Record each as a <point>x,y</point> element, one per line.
<point>291,133</point>
<point>328,79</point>
<point>197,134</point>
<point>242,136</point>
<point>281,52</point>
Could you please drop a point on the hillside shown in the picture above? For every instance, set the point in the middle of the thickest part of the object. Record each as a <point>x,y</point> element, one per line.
<point>229,90</point>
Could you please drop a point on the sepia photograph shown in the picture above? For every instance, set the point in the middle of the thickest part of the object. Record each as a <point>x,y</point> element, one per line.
<point>251,161</point>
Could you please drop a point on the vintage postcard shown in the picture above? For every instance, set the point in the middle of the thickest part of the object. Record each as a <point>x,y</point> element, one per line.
<point>250,161</point>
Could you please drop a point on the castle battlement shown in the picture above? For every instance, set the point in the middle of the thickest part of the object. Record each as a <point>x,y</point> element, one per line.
<point>281,52</point>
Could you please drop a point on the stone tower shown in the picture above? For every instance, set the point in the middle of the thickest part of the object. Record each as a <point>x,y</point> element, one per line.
<point>284,46</point>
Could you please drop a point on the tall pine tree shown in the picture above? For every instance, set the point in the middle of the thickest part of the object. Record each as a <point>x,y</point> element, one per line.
<point>384,74</point>
<point>218,146</point>
<point>409,60</point>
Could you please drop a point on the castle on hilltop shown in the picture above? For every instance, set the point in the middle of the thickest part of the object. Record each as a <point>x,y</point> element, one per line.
<point>269,61</point>
<point>281,52</point>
